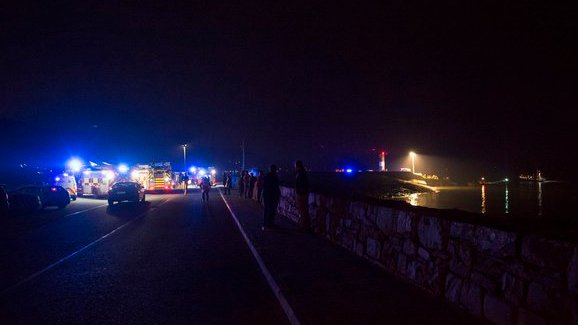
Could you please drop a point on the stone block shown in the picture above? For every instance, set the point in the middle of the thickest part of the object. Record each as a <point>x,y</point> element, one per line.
<point>373,248</point>
<point>358,210</point>
<point>403,224</point>
<point>453,288</point>
<point>385,220</point>
<point>544,300</point>
<point>513,288</point>
<point>458,267</point>
<point>409,247</point>
<point>430,234</point>
<point>494,242</point>
<point>462,231</point>
<point>485,282</point>
<point>526,317</point>
<point>547,253</point>
<point>573,274</point>
<point>346,223</point>
<point>423,254</point>
<point>471,298</point>
<point>498,310</point>
<point>414,271</point>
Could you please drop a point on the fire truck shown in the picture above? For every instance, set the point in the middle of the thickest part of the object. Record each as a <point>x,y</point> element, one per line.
<point>162,177</point>
<point>97,182</point>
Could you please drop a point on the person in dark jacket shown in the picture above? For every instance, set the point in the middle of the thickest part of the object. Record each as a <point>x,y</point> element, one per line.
<point>302,195</point>
<point>252,180</point>
<point>227,182</point>
<point>242,183</point>
<point>271,196</point>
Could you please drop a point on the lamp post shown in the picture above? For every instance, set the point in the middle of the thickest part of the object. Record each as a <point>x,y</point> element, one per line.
<point>412,156</point>
<point>185,157</point>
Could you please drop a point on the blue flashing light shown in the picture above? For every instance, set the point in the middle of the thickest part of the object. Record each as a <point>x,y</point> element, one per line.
<point>123,168</point>
<point>74,164</point>
<point>57,179</point>
<point>193,169</point>
<point>349,170</point>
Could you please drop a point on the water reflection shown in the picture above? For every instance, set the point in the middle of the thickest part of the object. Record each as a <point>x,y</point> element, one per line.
<point>506,200</point>
<point>539,198</point>
<point>523,199</point>
<point>412,199</point>
<point>483,198</point>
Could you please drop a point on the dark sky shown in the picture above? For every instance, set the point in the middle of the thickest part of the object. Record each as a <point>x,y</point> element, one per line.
<point>493,82</point>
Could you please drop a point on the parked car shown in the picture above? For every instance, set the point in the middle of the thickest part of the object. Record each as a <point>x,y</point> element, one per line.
<point>4,203</point>
<point>24,201</point>
<point>49,195</point>
<point>126,191</point>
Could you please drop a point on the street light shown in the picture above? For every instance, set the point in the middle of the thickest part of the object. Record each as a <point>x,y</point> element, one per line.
<point>185,157</point>
<point>412,156</point>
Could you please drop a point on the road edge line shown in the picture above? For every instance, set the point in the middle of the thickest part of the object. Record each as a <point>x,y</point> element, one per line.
<point>264,270</point>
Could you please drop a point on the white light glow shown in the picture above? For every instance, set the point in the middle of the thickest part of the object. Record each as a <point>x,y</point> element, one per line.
<point>123,168</point>
<point>74,164</point>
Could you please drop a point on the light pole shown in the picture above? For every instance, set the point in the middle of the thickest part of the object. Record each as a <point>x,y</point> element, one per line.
<point>412,156</point>
<point>185,157</point>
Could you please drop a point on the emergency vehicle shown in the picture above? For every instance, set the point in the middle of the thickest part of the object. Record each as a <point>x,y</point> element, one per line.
<point>69,183</point>
<point>142,174</point>
<point>162,177</point>
<point>97,182</point>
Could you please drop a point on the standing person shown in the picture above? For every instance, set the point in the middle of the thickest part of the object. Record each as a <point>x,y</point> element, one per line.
<point>247,181</point>
<point>242,183</point>
<point>259,185</point>
<point>302,195</point>
<point>271,196</point>
<point>227,183</point>
<point>185,183</point>
<point>252,181</point>
<point>205,187</point>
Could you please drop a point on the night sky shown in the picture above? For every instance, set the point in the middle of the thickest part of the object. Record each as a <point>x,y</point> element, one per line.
<point>492,84</point>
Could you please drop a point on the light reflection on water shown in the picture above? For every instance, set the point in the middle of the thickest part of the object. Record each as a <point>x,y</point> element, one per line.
<point>535,199</point>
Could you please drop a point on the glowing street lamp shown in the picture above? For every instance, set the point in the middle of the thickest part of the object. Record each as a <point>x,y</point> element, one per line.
<point>412,156</point>
<point>185,157</point>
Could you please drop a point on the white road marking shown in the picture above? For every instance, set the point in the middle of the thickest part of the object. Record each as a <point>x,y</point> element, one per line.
<point>270,280</point>
<point>69,256</point>
<point>82,211</point>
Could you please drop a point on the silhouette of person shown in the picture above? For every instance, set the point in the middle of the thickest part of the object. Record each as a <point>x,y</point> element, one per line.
<point>271,196</point>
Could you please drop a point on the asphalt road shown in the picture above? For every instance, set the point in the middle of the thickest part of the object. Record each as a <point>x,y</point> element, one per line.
<point>172,260</point>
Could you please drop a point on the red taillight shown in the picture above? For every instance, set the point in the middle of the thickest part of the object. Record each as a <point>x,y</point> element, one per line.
<point>54,189</point>
<point>166,187</point>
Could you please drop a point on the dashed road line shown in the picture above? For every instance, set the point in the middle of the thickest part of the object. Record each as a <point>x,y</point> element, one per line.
<point>69,256</point>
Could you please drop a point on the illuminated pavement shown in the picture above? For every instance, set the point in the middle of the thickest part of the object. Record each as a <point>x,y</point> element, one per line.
<point>177,260</point>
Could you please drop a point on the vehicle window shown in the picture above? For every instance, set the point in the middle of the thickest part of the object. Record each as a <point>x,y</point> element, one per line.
<point>123,186</point>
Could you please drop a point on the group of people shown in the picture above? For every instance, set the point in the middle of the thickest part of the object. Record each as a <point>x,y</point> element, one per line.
<point>265,189</point>
<point>272,196</point>
<point>251,186</point>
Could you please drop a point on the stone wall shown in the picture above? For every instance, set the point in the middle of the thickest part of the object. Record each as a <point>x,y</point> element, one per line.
<point>500,276</point>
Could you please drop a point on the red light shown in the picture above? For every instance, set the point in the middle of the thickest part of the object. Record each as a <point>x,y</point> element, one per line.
<point>166,187</point>
<point>53,189</point>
